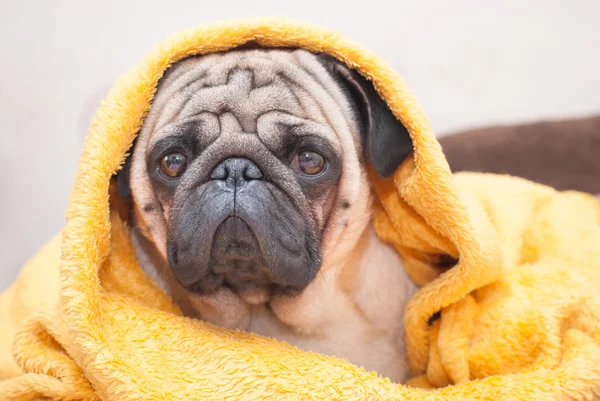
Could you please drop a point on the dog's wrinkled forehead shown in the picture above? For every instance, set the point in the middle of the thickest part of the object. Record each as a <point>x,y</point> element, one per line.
<point>233,91</point>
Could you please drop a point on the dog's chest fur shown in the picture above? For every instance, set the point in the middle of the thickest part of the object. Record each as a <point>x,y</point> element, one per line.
<point>355,311</point>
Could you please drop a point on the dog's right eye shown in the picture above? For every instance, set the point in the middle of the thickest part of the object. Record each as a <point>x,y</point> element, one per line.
<point>308,162</point>
<point>173,165</point>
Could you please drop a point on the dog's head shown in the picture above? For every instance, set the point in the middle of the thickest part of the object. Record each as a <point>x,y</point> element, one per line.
<point>251,163</point>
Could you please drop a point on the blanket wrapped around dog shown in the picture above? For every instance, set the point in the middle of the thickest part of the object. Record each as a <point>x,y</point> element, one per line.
<point>509,276</point>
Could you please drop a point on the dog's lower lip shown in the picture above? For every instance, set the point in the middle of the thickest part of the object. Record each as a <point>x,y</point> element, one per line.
<point>252,292</point>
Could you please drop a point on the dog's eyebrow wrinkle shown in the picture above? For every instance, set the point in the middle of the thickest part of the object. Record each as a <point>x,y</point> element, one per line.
<point>268,84</point>
<point>230,74</point>
<point>183,77</point>
<point>254,83</point>
<point>182,120</point>
<point>186,139</point>
<point>324,79</point>
<point>291,86</point>
<point>301,65</point>
<point>287,126</point>
<point>187,85</point>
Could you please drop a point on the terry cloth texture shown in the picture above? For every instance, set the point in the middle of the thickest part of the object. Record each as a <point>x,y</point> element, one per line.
<point>509,272</point>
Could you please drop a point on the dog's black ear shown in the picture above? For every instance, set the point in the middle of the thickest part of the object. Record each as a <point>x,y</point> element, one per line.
<point>122,176</point>
<point>386,141</point>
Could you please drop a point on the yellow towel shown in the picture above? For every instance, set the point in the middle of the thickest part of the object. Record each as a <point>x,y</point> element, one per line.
<point>509,272</point>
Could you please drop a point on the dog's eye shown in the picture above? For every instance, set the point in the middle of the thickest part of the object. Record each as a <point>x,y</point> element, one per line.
<point>308,162</point>
<point>173,165</point>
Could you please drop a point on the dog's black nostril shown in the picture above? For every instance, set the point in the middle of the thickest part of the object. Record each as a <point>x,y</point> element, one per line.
<point>238,169</point>
<point>219,173</point>
<point>252,172</point>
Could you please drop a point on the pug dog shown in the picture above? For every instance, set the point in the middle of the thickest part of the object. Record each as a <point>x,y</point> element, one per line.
<point>252,207</point>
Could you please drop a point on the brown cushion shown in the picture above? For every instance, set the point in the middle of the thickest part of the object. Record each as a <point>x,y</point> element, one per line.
<point>563,154</point>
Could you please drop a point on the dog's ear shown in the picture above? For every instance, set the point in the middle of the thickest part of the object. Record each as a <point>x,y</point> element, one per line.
<point>122,177</point>
<point>386,141</point>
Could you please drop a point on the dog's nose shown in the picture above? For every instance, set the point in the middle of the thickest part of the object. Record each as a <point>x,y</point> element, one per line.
<point>236,172</point>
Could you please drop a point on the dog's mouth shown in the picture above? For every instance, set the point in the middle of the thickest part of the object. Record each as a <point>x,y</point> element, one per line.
<point>237,262</point>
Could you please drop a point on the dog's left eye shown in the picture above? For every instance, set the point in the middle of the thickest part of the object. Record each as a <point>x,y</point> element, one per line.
<point>308,162</point>
<point>173,165</point>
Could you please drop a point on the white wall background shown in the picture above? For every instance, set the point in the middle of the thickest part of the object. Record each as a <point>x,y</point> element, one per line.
<point>470,62</point>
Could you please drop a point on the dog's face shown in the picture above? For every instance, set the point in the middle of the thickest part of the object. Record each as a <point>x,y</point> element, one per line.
<point>250,165</point>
